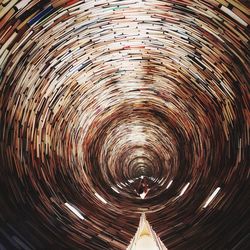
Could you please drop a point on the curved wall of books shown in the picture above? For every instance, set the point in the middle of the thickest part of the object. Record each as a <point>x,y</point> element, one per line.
<point>97,95</point>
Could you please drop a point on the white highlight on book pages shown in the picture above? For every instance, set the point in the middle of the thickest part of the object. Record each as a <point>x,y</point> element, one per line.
<point>233,15</point>
<point>115,190</point>
<point>100,198</point>
<point>211,197</point>
<point>74,210</point>
<point>169,184</point>
<point>184,189</point>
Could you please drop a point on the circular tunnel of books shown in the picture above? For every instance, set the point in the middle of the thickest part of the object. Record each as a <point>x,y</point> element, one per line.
<point>111,109</point>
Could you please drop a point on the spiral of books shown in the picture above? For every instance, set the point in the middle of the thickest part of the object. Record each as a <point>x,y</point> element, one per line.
<point>110,109</point>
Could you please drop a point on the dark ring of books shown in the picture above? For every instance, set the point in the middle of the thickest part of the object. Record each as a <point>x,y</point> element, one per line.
<point>112,111</point>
